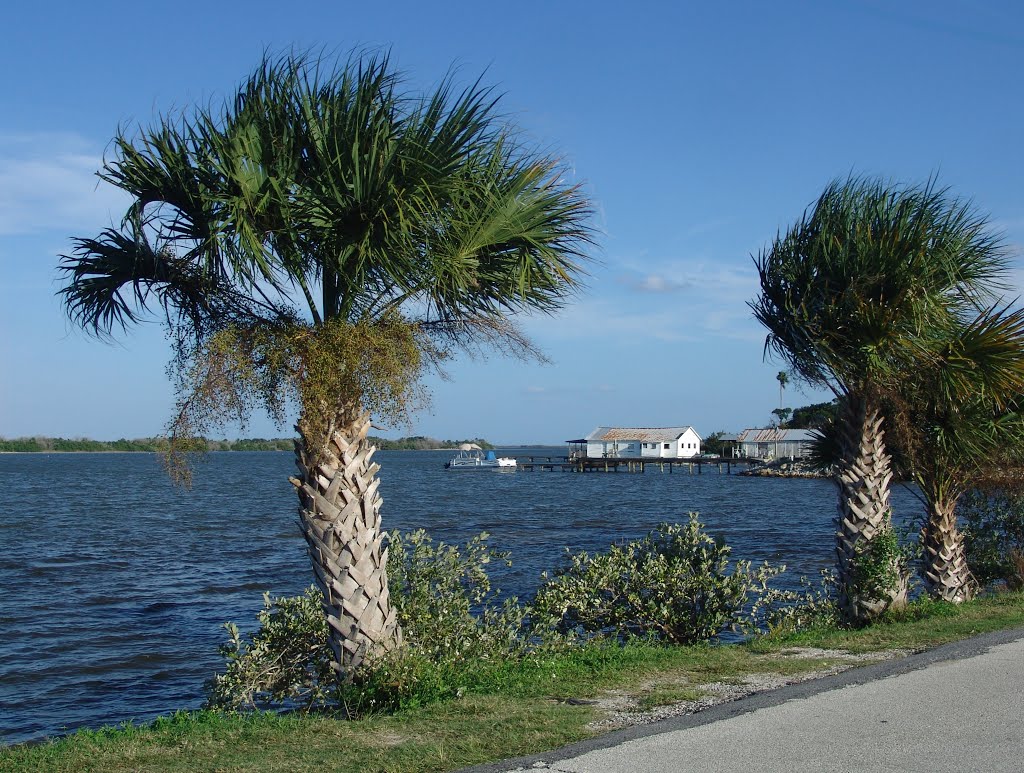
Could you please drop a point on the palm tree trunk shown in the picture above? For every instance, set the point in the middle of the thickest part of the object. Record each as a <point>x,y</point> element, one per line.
<point>339,512</point>
<point>863,478</point>
<point>944,563</point>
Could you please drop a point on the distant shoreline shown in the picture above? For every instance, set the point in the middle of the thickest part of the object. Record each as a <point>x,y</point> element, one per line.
<point>57,445</point>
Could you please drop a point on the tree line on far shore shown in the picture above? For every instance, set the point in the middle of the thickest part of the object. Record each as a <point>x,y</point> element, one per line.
<point>161,444</point>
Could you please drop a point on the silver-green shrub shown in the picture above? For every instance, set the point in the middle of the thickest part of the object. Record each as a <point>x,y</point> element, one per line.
<point>676,585</point>
<point>784,611</point>
<point>451,617</point>
<point>446,605</point>
<point>284,662</point>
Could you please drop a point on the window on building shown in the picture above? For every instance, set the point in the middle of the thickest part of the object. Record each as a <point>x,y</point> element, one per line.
<point>668,445</point>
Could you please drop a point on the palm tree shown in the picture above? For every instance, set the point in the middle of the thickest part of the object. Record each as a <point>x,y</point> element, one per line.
<point>322,238</point>
<point>848,295</point>
<point>951,426</point>
<point>783,378</point>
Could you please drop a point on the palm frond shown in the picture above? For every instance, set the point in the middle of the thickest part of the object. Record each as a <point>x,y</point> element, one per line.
<point>868,270</point>
<point>329,184</point>
<point>115,280</point>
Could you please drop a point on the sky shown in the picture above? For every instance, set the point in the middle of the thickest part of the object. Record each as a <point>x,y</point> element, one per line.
<point>697,130</point>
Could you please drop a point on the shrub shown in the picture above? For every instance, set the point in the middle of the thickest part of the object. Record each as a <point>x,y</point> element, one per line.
<point>881,564</point>
<point>461,635</point>
<point>993,529</point>
<point>673,585</point>
<point>444,599</point>
<point>454,624</point>
<point>285,662</point>
<point>785,611</point>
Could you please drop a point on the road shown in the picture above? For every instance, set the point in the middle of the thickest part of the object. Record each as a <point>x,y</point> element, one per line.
<point>959,707</point>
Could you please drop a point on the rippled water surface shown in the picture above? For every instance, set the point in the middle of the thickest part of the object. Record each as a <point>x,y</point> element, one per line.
<point>114,585</point>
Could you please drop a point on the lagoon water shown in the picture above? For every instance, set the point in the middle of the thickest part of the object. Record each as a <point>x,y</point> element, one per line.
<point>114,585</point>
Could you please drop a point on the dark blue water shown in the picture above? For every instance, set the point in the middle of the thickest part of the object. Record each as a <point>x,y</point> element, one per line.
<point>114,585</point>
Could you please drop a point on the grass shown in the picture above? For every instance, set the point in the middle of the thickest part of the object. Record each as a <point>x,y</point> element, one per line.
<point>519,710</point>
<point>667,694</point>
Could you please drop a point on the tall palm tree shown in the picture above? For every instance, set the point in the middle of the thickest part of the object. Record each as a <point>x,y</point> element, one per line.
<point>783,378</point>
<point>848,294</point>
<point>951,426</point>
<point>321,238</point>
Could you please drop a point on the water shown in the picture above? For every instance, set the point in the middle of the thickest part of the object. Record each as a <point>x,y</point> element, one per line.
<point>114,585</point>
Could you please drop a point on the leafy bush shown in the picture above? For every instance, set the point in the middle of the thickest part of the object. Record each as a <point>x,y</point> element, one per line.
<point>462,636</point>
<point>881,564</point>
<point>286,661</point>
<point>993,529</point>
<point>444,599</point>
<point>454,624</point>
<point>784,611</point>
<point>674,585</point>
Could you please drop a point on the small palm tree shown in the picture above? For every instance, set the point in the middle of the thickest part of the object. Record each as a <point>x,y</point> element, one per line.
<point>783,378</point>
<point>321,238</point>
<point>848,295</point>
<point>951,426</point>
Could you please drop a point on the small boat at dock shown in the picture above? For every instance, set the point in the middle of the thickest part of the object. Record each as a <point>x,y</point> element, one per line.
<point>478,460</point>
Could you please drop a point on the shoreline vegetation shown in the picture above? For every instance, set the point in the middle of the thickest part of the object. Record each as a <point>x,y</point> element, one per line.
<point>161,445</point>
<point>535,706</point>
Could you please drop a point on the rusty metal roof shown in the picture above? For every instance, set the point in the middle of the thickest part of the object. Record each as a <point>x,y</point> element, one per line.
<point>641,434</point>
<point>775,435</point>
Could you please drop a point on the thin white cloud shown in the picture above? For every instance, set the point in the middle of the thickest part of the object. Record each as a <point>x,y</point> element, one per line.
<point>48,183</point>
<point>677,301</point>
<point>654,283</point>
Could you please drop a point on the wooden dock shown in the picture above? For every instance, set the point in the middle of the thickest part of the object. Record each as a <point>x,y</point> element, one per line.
<point>723,465</point>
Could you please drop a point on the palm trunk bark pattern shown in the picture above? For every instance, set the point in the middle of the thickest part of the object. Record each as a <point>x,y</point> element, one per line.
<point>945,571</point>
<point>864,476</point>
<point>339,512</point>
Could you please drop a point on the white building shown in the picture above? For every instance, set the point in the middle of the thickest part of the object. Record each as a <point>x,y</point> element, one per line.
<point>774,443</point>
<point>640,443</point>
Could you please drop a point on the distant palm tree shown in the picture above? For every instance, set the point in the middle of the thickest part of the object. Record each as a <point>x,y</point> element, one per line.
<point>783,378</point>
<point>848,295</point>
<point>952,426</point>
<point>321,238</point>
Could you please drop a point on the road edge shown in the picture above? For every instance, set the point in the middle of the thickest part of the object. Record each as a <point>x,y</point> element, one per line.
<point>957,650</point>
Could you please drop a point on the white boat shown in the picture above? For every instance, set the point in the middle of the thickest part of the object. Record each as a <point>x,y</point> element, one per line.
<point>478,460</point>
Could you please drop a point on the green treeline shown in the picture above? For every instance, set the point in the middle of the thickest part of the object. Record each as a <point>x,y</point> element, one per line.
<point>160,445</point>
<point>420,443</point>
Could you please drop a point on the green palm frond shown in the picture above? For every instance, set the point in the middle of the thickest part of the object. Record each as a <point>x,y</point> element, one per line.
<point>114,278</point>
<point>869,269</point>
<point>330,185</point>
<point>961,409</point>
<point>986,359</point>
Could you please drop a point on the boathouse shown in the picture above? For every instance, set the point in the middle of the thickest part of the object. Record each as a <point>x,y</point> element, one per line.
<point>775,443</point>
<point>639,443</point>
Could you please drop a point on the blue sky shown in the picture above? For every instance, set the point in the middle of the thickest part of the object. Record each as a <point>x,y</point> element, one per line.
<point>698,130</point>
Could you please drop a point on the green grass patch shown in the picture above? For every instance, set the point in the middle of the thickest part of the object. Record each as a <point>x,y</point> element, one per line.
<point>510,710</point>
<point>922,625</point>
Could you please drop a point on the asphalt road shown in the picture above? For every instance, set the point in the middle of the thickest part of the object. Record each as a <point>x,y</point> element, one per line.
<point>959,707</point>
